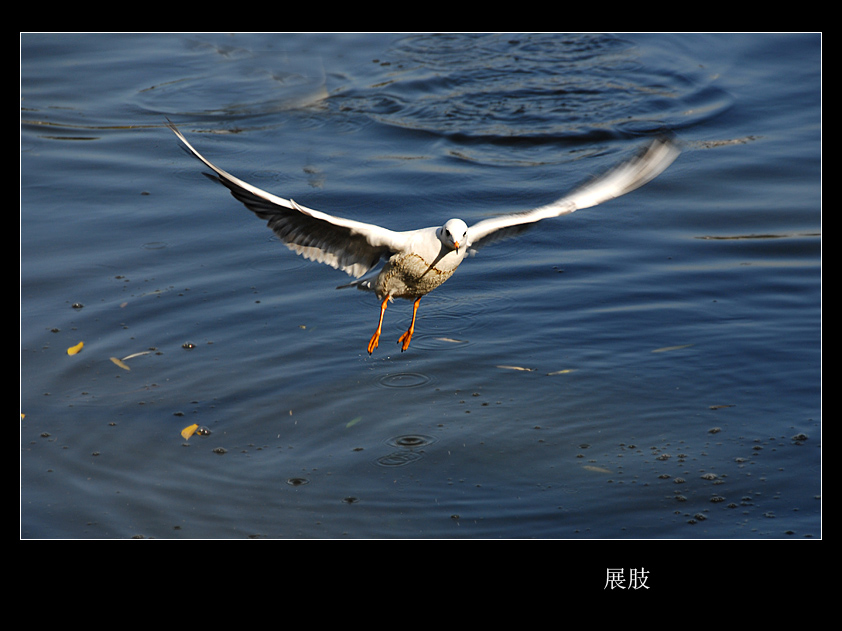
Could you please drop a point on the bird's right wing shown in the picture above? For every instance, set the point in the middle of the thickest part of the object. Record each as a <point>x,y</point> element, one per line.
<point>352,246</point>
<point>633,173</point>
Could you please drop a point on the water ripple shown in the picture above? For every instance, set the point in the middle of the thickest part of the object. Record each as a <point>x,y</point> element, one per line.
<point>403,380</point>
<point>411,441</point>
<point>534,89</point>
<point>410,450</point>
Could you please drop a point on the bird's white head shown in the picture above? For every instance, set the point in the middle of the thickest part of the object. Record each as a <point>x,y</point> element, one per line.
<point>453,234</point>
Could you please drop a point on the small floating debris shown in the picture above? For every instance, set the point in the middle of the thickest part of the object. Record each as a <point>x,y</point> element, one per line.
<point>188,431</point>
<point>596,469</point>
<point>560,372</point>
<point>122,362</point>
<point>671,348</point>
<point>133,355</point>
<point>516,368</point>
<point>194,429</point>
<point>75,349</point>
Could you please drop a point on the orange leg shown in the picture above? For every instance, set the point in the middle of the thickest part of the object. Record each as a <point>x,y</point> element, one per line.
<point>407,337</point>
<point>375,339</point>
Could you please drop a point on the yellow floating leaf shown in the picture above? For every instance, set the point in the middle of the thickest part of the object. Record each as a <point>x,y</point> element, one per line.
<point>188,431</point>
<point>353,422</point>
<point>516,368</point>
<point>120,363</point>
<point>560,372</point>
<point>75,349</point>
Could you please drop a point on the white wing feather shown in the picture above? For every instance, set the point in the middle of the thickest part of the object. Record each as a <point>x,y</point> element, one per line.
<point>352,246</point>
<point>356,247</point>
<point>647,164</point>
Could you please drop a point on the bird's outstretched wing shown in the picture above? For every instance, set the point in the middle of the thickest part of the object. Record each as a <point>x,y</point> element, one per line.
<point>352,246</point>
<point>647,164</point>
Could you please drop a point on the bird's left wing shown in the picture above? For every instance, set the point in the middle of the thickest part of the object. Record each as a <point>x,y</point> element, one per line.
<point>633,173</point>
<point>352,246</point>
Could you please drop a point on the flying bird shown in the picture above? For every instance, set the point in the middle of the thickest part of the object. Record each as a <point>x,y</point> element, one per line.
<point>415,262</point>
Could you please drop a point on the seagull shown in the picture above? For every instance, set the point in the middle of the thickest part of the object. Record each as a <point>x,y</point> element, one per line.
<point>418,261</point>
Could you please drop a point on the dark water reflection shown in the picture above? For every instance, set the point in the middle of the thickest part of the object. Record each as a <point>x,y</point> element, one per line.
<point>647,369</point>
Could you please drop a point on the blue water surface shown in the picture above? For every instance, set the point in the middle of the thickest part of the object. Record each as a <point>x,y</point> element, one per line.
<point>646,369</point>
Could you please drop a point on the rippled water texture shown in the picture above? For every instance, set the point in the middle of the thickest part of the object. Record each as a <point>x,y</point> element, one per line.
<point>646,369</point>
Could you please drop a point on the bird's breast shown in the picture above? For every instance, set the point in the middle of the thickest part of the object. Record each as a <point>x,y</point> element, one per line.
<point>411,276</point>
